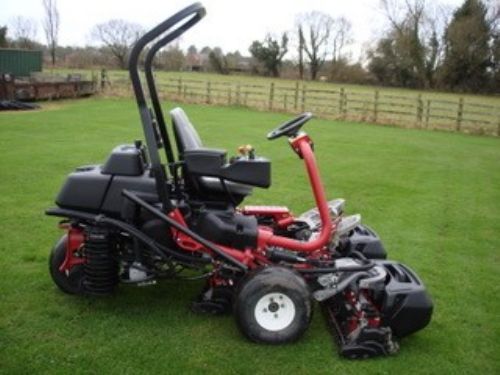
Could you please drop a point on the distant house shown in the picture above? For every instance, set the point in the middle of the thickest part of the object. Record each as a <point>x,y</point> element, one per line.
<point>197,62</point>
<point>243,65</point>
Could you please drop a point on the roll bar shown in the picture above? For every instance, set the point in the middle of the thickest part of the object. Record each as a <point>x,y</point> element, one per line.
<point>153,93</point>
<point>193,14</point>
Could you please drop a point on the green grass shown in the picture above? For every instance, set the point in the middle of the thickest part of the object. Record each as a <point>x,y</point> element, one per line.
<point>433,197</point>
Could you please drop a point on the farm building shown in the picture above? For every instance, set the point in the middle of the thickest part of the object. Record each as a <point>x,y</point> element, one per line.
<point>19,62</point>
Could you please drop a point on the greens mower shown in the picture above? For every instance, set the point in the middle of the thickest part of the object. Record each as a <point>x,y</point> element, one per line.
<point>143,216</point>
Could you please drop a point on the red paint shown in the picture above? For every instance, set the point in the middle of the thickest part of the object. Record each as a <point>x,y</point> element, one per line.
<point>182,240</point>
<point>302,145</point>
<point>74,240</point>
<point>187,243</point>
<point>275,211</point>
<point>280,215</point>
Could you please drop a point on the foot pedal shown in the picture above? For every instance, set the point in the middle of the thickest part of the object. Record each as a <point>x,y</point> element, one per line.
<point>213,301</point>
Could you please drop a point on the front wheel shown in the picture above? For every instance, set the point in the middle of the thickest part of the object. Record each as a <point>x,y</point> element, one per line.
<point>68,281</point>
<point>273,305</point>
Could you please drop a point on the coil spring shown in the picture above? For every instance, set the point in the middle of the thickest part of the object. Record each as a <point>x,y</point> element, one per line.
<point>101,269</point>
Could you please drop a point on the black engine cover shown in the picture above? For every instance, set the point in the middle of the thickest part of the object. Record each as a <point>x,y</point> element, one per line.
<point>227,228</point>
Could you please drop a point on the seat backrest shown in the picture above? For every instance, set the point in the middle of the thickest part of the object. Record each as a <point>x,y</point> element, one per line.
<point>186,136</point>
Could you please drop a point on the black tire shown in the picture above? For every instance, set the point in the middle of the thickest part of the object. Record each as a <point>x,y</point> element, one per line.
<point>265,295</point>
<point>69,283</point>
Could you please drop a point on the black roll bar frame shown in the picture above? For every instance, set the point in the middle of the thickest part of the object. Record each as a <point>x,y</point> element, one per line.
<point>193,14</point>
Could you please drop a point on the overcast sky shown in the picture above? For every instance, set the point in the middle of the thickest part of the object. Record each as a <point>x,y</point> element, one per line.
<point>230,24</point>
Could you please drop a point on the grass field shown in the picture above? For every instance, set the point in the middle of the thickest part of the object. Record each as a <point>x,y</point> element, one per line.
<point>473,114</point>
<point>163,76</point>
<point>433,197</point>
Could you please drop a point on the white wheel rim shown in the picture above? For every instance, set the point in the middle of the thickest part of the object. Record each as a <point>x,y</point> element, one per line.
<point>274,311</point>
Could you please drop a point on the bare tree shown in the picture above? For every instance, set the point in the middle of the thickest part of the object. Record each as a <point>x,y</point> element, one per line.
<point>316,27</point>
<point>24,31</point>
<point>118,36</point>
<point>301,51</point>
<point>341,37</point>
<point>493,13</point>
<point>51,26</point>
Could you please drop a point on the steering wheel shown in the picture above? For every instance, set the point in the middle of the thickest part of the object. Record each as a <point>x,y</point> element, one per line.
<point>291,127</point>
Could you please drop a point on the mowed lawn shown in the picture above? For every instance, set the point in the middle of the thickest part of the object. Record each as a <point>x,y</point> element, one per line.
<point>433,197</point>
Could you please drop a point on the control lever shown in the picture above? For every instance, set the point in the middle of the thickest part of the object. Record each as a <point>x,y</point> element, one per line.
<point>247,151</point>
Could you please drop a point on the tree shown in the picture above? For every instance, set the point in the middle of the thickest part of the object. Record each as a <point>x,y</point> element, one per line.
<point>172,58</point>
<point>233,60</point>
<point>118,36</point>
<point>217,61</point>
<point>301,51</point>
<point>3,37</point>
<point>343,71</point>
<point>24,31</point>
<point>270,53</point>
<point>51,26</point>
<point>495,52</point>
<point>206,50</point>
<point>467,53</point>
<point>495,46</point>
<point>316,27</point>
<point>410,51</point>
<point>341,31</point>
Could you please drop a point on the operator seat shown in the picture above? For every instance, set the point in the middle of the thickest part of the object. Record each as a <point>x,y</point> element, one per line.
<point>187,139</point>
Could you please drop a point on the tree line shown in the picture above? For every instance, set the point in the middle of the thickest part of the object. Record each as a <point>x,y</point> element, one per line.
<point>424,45</point>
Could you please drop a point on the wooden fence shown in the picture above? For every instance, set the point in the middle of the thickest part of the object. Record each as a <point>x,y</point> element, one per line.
<point>367,105</point>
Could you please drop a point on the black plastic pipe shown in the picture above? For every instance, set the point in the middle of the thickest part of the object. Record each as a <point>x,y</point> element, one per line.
<point>101,219</point>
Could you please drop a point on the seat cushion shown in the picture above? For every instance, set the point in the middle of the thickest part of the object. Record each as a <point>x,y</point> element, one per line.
<point>187,139</point>
<point>185,134</point>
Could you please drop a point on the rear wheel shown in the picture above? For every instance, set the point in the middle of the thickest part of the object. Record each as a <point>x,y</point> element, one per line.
<point>273,306</point>
<point>68,281</point>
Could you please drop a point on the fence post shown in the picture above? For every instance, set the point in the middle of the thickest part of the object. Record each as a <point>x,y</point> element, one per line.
<point>209,92</point>
<point>304,93</point>
<point>179,87</point>
<point>341,101</point>
<point>245,99</point>
<point>344,104</point>
<point>427,113</point>
<point>285,100</point>
<point>296,95</point>
<point>184,92</point>
<point>420,110</point>
<point>238,93</point>
<point>460,113</point>
<point>229,96</point>
<point>375,106</point>
<point>271,96</point>
<point>498,129</point>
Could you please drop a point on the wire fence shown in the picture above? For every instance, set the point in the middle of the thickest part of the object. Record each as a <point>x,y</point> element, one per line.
<point>370,105</point>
